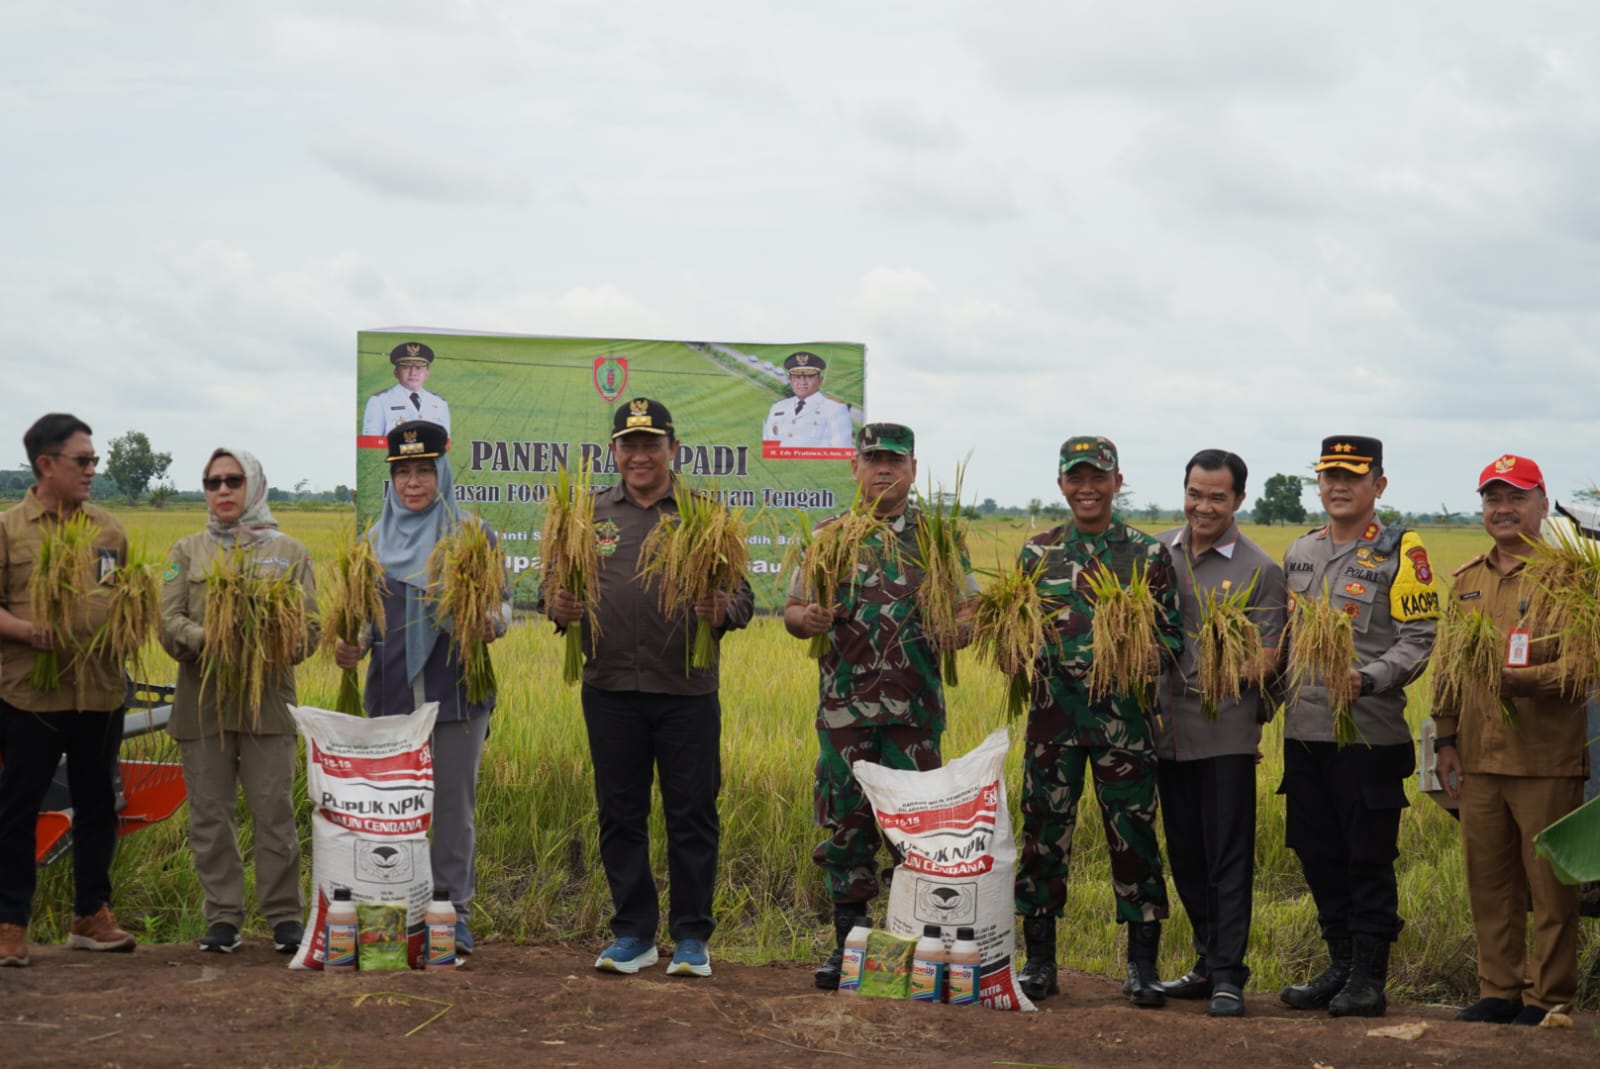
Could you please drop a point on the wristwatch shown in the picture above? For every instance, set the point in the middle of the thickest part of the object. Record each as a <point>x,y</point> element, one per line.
<point>1367,684</point>
<point>1443,741</point>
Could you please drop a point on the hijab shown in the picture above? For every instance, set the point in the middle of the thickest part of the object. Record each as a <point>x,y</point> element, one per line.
<point>403,540</point>
<point>255,524</point>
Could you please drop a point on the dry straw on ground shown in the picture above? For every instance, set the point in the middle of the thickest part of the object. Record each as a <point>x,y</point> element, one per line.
<point>1228,644</point>
<point>352,604</point>
<point>941,554</point>
<point>1322,648</point>
<point>63,577</point>
<point>467,581</point>
<point>255,626</point>
<point>691,555</point>
<point>1123,632</point>
<point>571,562</point>
<point>1010,629</point>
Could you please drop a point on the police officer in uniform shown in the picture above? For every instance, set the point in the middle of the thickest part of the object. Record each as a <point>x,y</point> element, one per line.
<point>808,418</point>
<point>406,400</point>
<point>1344,801</point>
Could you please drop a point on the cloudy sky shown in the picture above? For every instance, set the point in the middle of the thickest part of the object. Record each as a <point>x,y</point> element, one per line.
<point>1182,225</point>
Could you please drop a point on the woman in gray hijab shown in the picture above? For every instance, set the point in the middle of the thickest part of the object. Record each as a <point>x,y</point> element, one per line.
<point>225,745</point>
<point>413,662</point>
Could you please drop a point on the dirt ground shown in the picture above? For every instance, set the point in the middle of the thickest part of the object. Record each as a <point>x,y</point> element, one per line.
<point>171,1006</point>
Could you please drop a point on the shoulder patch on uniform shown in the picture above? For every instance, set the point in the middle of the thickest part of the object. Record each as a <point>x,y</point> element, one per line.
<point>172,571</point>
<point>1479,559</point>
<point>1413,597</point>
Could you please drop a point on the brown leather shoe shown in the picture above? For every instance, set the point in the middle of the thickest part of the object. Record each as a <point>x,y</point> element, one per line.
<point>13,944</point>
<point>99,931</point>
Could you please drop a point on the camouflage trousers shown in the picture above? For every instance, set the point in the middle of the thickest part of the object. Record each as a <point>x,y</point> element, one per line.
<point>1125,784</point>
<point>848,856</point>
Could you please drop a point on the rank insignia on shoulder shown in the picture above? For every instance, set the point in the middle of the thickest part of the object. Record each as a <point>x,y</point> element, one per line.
<point>1479,559</point>
<point>1371,532</point>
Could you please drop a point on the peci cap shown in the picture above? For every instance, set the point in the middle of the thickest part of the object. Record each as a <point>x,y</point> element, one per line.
<point>412,353</point>
<point>1092,449</point>
<point>643,416</point>
<point>886,438</point>
<point>418,440</point>
<point>1517,471</point>
<point>804,363</point>
<point>1352,452</point>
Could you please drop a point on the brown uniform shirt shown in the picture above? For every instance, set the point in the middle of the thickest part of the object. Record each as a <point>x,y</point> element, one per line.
<point>1550,739</point>
<point>639,649</point>
<point>87,683</point>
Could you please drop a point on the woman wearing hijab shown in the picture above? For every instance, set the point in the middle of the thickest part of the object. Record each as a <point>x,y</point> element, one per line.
<point>225,745</point>
<point>413,662</point>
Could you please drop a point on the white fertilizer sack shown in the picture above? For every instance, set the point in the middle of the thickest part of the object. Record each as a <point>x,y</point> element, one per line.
<point>371,789</point>
<point>953,827</point>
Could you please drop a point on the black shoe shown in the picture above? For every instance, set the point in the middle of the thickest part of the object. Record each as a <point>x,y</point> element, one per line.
<point>1530,1015</point>
<point>1191,985</point>
<point>827,974</point>
<point>1226,1001</point>
<point>287,936</point>
<point>1316,993</point>
<point>1362,995</point>
<point>1491,1011</point>
<point>845,918</point>
<point>1143,986</point>
<point>221,937</point>
<point>1037,979</point>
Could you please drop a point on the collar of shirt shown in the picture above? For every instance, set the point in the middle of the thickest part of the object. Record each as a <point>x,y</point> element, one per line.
<point>1225,546</point>
<point>619,493</point>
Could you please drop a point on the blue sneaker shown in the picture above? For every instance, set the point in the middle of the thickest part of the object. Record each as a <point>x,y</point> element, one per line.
<point>628,955</point>
<point>690,958</point>
<point>463,938</point>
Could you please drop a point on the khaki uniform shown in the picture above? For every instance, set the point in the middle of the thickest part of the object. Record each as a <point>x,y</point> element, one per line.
<point>1517,781</point>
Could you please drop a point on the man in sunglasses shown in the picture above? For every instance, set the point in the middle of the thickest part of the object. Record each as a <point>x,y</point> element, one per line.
<point>77,713</point>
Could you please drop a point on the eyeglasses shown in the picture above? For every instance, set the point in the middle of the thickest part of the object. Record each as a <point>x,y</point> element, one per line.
<point>214,483</point>
<point>83,460</point>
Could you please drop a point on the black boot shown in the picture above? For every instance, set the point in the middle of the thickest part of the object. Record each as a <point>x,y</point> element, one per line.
<point>1316,993</point>
<point>845,917</point>
<point>1369,971</point>
<point>1038,976</point>
<point>1143,986</point>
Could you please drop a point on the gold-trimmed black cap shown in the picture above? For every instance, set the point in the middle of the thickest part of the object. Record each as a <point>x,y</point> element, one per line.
<point>805,363</point>
<point>418,440</point>
<point>411,352</point>
<point>641,416</point>
<point>1352,452</point>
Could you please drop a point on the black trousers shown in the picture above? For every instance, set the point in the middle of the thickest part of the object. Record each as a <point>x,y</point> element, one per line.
<point>1208,808</point>
<point>33,746</point>
<point>1344,823</point>
<point>633,737</point>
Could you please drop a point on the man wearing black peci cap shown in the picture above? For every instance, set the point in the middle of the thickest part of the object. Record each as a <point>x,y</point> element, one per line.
<point>406,401</point>
<point>1344,801</point>
<point>807,419</point>
<point>647,716</point>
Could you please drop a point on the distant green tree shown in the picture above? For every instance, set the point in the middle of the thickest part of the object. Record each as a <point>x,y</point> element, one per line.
<point>341,493</point>
<point>1055,511</point>
<point>1280,501</point>
<point>133,465</point>
<point>1152,512</point>
<point>1035,506</point>
<point>1389,516</point>
<point>1590,495</point>
<point>161,494</point>
<point>988,506</point>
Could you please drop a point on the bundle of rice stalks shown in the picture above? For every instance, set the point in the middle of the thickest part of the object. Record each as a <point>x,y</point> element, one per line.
<point>1123,632</point>
<point>63,576</point>
<point>570,561</point>
<point>255,624</point>
<point>941,548</point>
<point>1322,646</point>
<point>1468,652</point>
<point>467,579</point>
<point>1010,628</point>
<point>352,602</point>
<point>133,610</point>
<point>692,555</point>
<point>829,559</point>
<point>1229,647</point>
<point>1565,604</point>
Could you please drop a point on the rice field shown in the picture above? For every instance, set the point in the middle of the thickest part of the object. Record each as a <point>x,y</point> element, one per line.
<point>539,874</point>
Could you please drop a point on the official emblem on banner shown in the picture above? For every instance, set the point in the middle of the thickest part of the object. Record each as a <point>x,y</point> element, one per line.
<point>610,376</point>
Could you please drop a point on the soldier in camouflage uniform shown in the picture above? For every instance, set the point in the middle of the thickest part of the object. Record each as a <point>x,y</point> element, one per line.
<point>880,695</point>
<point>1113,735</point>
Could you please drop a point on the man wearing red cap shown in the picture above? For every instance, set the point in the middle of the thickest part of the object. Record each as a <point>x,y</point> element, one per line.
<point>1514,778</point>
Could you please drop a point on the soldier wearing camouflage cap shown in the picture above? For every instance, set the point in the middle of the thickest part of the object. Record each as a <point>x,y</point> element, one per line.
<point>807,418</point>
<point>881,698</point>
<point>406,401</point>
<point>1112,736</point>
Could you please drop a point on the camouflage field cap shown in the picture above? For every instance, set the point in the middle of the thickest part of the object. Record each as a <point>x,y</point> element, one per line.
<point>1090,449</point>
<point>886,438</point>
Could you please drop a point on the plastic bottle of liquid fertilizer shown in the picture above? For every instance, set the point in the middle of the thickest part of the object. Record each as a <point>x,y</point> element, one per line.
<point>441,918</point>
<point>339,934</point>
<point>961,974</point>
<point>855,956</point>
<point>928,966</point>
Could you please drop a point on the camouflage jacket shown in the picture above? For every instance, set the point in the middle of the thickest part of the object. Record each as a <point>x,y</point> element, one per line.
<point>1060,710</point>
<point>880,668</point>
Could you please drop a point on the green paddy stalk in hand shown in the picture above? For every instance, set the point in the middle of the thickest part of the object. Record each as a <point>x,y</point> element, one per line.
<point>941,551</point>
<point>829,557</point>
<point>571,559</point>
<point>467,581</point>
<point>1123,634</point>
<point>694,554</point>
<point>1228,643</point>
<point>63,577</point>
<point>133,609</point>
<point>352,606</point>
<point>1322,648</point>
<point>1010,629</point>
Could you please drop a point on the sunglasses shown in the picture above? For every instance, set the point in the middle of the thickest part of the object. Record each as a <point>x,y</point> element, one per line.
<point>213,483</point>
<point>83,460</point>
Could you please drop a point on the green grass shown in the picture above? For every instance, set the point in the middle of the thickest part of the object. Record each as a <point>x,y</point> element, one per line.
<point>539,870</point>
